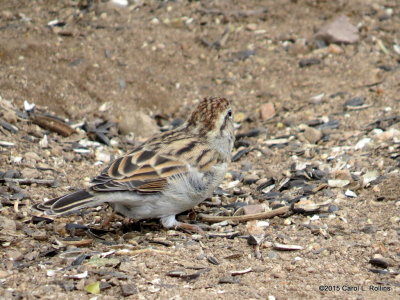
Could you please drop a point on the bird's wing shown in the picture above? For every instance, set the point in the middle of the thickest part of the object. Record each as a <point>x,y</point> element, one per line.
<point>147,170</point>
<point>143,171</point>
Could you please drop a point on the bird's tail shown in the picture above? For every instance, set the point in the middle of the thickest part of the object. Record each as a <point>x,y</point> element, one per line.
<point>67,203</point>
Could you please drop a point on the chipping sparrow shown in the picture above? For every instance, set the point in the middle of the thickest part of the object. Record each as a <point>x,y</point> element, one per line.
<point>166,175</point>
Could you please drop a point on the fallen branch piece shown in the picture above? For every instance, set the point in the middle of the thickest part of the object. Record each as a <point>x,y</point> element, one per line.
<point>53,124</point>
<point>264,215</point>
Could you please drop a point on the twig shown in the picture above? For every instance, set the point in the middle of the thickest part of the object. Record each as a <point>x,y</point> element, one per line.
<point>53,124</point>
<point>264,215</point>
<point>29,181</point>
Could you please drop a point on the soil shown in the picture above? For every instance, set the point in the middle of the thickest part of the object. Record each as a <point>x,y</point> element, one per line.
<point>143,67</point>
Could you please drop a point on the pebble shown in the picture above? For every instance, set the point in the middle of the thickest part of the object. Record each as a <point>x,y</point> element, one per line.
<point>312,135</point>
<point>350,194</point>
<point>30,173</point>
<point>128,289</point>
<point>272,255</point>
<point>253,209</point>
<point>14,255</point>
<point>10,116</point>
<point>338,31</point>
<point>7,224</point>
<point>361,144</point>
<point>44,142</point>
<point>343,175</point>
<point>335,49</point>
<point>32,156</point>
<point>379,261</point>
<point>356,101</point>
<point>267,111</point>
<point>307,62</point>
<point>338,183</point>
<point>139,123</point>
<point>250,179</point>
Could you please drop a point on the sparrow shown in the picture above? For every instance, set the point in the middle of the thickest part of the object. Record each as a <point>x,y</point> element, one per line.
<point>170,173</point>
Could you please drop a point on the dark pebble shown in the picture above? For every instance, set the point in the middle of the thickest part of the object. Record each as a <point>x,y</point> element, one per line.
<point>387,68</point>
<point>128,289</point>
<point>251,133</point>
<point>333,124</point>
<point>245,54</point>
<point>236,175</point>
<point>370,229</point>
<point>36,220</point>
<point>247,166</point>
<point>242,143</point>
<point>11,174</point>
<point>379,262</point>
<point>307,62</point>
<point>332,208</point>
<point>67,286</point>
<point>354,102</point>
<point>177,122</point>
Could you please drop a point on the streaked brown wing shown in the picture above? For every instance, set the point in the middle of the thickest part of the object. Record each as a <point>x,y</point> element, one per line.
<point>142,171</point>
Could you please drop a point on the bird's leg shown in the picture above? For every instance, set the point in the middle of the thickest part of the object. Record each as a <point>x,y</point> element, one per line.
<point>171,222</point>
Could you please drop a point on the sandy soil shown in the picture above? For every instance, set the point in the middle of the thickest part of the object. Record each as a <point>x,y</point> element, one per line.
<point>142,67</point>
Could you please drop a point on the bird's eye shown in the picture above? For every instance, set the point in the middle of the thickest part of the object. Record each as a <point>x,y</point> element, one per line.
<point>229,113</point>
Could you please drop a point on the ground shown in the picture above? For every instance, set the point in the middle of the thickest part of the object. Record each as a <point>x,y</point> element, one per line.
<point>142,67</point>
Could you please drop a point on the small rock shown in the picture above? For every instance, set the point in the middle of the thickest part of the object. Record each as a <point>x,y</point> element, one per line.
<point>335,49</point>
<point>7,225</point>
<point>251,26</point>
<point>10,116</point>
<point>272,255</point>
<point>128,289</point>
<point>361,144</point>
<point>343,175</point>
<point>253,209</point>
<point>354,102</point>
<point>267,111</point>
<point>370,176</point>
<point>32,156</point>
<point>388,135</point>
<point>333,208</point>
<point>250,179</point>
<point>139,123</point>
<point>30,173</point>
<point>14,255</point>
<point>350,194</point>
<point>44,142</point>
<point>338,31</point>
<point>312,135</point>
<point>338,183</point>
<point>379,261</point>
<point>102,155</point>
<point>307,62</point>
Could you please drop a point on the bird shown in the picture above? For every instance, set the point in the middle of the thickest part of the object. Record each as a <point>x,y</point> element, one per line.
<point>168,174</point>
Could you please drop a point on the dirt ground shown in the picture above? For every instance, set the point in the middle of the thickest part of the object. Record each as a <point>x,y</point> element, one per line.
<point>142,67</point>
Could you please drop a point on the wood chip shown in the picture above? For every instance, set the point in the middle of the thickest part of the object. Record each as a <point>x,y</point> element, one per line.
<point>53,124</point>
